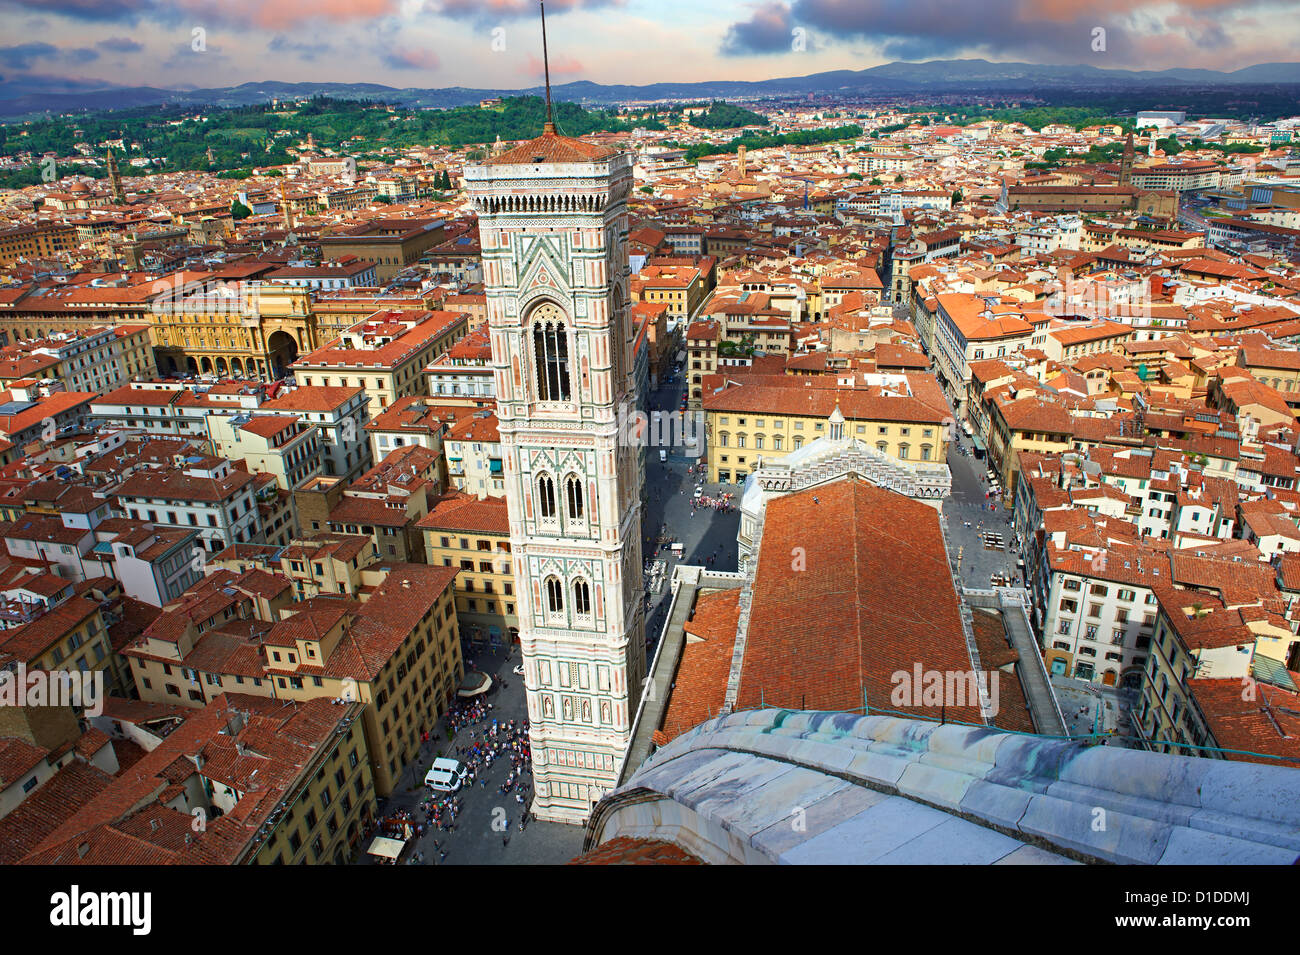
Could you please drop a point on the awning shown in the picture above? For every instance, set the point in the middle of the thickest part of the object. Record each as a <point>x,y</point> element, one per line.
<point>978,442</point>
<point>385,847</point>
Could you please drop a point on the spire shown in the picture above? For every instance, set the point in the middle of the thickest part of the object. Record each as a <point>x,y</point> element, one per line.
<point>286,211</point>
<point>546,65</point>
<point>115,179</point>
<point>1126,161</point>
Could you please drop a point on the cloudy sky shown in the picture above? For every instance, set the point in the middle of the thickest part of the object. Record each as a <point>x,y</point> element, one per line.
<point>496,43</point>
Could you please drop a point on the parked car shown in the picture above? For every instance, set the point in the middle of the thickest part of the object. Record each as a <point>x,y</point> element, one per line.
<point>446,775</point>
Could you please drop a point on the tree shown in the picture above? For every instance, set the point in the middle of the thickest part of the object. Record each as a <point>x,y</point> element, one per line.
<point>876,182</point>
<point>722,115</point>
<point>239,211</point>
<point>898,178</point>
<point>856,175</point>
<point>956,197</point>
<point>648,190</point>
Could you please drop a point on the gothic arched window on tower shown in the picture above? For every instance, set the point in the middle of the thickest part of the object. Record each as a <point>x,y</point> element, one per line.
<point>573,498</point>
<point>551,352</point>
<point>546,497</point>
<point>554,596</point>
<point>617,336</point>
<point>581,598</point>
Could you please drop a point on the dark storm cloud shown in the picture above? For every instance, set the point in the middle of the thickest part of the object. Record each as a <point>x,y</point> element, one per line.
<point>768,30</point>
<point>21,57</point>
<point>920,29</point>
<point>119,44</point>
<point>103,10</point>
<point>271,15</point>
<point>303,50</point>
<point>1050,30</point>
<point>497,10</point>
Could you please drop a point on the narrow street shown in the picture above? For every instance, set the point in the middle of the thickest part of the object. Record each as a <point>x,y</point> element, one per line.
<point>987,546</point>
<point>703,533</point>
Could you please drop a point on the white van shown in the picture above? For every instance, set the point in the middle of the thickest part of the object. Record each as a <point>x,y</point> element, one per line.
<point>446,775</point>
<point>663,455</point>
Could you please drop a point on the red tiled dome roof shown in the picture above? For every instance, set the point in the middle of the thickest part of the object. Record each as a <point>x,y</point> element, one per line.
<point>552,147</point>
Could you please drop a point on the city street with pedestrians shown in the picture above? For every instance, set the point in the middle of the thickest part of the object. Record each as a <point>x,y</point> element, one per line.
<point>979,527</point>
<point>486,828</point>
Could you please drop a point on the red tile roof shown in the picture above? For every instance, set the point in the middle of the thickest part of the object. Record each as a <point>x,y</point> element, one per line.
<point>458,511</point>
<point>700,684</point>
<point>552,147</point>
<point>48,807</point>
<point>853,586</point>
<point>628,851</point>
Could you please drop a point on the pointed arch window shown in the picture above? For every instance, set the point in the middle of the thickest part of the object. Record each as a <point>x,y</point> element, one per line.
<point>546,497</point>
<point>554,596</point>
<point>573,502</point>
<point>551,353</point>
<point>582,598</point>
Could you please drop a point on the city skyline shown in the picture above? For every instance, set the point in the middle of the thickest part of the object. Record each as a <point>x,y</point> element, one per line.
<point>76,44</point>
<point>344,454</point>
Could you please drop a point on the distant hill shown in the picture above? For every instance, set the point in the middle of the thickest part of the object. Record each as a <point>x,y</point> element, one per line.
<point>28,95</point>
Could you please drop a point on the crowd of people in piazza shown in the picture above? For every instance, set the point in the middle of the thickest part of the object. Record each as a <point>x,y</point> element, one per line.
<point>721,503</point>
<point>486,743</point>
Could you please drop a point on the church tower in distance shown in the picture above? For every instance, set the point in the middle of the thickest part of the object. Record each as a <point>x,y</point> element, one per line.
<point>115,179</point>
<point>553,226</point>
<point>1126,161</point>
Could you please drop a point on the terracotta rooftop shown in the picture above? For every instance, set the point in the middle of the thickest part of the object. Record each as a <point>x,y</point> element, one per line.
<point>853,581</point>
<point>627,851</point>
<point>552,147</point>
